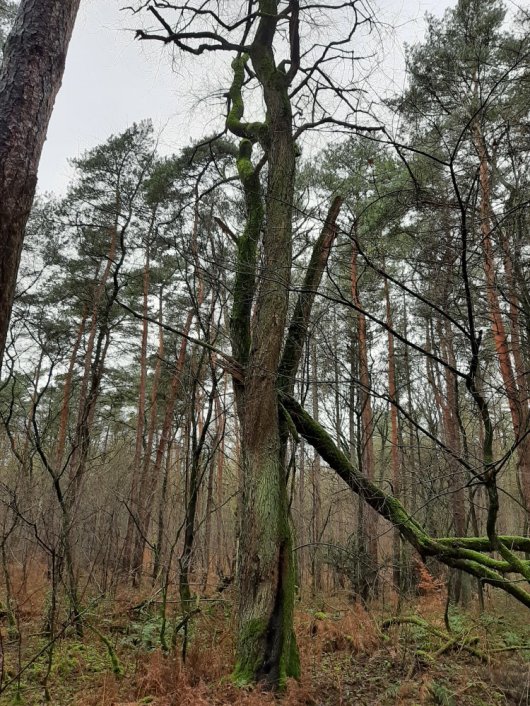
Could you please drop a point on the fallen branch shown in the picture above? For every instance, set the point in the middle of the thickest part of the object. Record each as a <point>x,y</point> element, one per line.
<point>451,642</point>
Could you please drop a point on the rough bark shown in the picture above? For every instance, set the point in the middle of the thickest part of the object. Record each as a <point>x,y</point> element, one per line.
<point>30,77</point>
<point>266,647</point>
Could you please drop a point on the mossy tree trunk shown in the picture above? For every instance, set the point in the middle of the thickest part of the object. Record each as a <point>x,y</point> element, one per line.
<point>266,647</point>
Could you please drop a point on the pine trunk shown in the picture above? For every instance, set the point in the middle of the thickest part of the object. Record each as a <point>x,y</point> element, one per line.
<point>151,473</point>
<point>394,437</point>
<point>30,77</point>
<point>517,399</point>
<point>366,440</point>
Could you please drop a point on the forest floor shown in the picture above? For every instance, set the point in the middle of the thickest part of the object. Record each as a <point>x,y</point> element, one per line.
<point>348,654</point>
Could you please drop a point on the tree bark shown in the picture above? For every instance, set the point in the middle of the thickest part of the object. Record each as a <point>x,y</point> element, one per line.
<point>517,399</point>
<point>266,647</point>
<point>367,457</point>
<point>30,77</point>
<point>394,437</point>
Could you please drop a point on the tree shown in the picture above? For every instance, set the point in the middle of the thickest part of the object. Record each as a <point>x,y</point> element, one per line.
<point>222,261</point>
<point>266,646</point>
<point>461,87</point>
<point>30,77</point>
<point>7,15</point>
<point>267,343</point>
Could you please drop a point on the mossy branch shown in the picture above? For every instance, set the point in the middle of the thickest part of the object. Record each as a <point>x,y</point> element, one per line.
<point>472,562</point>
<point>457,642</point>
<point>483,544</point>
<point>289,422</point>
<point>256,131</point>
<point>247,248</point>
<point>247,243</point>
<point>386,505</point>
<point>117,668</point>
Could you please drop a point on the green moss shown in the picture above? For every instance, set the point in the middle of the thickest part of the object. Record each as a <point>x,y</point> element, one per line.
<point>17,699</point>
<point>237,110</point>
<point>249,636</point>
<point>253,629</point>
<point>290,658</point>
<point>293,664</point>
<point>255,131</point>
<point>244,164</point>
<point>289,423</point>
<point>116,666</point>
<point>246,254</point>
<point>242,675</point>
<point>276,545</point>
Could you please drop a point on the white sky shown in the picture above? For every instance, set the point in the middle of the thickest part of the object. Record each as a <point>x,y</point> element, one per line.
<point>111,81</point>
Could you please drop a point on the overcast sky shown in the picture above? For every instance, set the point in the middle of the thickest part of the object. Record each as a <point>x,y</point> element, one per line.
<point>111,81</point>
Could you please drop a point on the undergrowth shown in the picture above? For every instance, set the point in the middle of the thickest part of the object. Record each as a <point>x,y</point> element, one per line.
<point>348,657</point>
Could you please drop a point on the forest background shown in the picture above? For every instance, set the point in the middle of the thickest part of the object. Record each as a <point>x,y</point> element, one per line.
<point>211,349</point>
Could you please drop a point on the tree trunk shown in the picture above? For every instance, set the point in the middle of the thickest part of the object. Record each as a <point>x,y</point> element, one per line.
<point>266,647</point>
<point>220,457</point>
<point>394,438</point>
<point>67,392</point>
<point>150,475</point>
<point>367,458</point>
<point>138,474</point>
<point>140,422</point>
<point>316,510</point>
<point>213,465</point>
<point>457,482</point>
<point>195,481</point>
<point>517,399</point>
<point>30,77</point>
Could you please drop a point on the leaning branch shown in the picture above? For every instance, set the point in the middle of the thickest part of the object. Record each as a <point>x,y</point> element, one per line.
<point>297,334</point>
<point>456,555</point>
